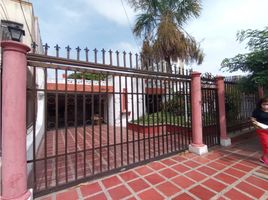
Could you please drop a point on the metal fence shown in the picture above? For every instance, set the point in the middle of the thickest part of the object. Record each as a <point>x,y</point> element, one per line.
<point>239,107</point>
<point>94,118</point>
<point>210,112</point>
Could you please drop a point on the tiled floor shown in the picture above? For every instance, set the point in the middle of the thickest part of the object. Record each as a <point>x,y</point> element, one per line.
<point>223,173</point>
<point>65,156</point>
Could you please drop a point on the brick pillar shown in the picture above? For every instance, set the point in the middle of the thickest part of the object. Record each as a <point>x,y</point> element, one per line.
<point>224,139</point>
<point>14,166</point>
<point>197,146</point>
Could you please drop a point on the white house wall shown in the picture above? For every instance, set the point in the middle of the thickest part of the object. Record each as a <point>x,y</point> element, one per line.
<point>135,111</point>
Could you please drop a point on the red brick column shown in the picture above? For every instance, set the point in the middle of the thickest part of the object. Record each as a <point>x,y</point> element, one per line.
<point>224,139</point>
<point>14,166</point>
<point>197,146</point>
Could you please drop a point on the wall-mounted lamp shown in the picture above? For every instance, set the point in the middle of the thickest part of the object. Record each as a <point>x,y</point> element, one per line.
<point>16,32</point>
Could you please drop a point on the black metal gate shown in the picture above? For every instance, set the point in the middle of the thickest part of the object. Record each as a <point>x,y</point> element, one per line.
<point>210,116</point>
<point>93,119</point>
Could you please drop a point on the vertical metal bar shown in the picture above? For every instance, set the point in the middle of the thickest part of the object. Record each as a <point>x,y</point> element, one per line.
<point>138,118</point>
<point>188,100</point>
<point>84,122</point>
<point>121,131</point>
<point>100,121</point>
<point>133,110</point>
<point>157,113</point>
<point>153,99</point>
<point>46,120</point>
<point>34,95</point>
<point>174,116</point>
<point>148,119</point>
<point>170,113</point>
<point>57,124</point>
<point>162,115</point>
<point>92,124</point>
<point>107,112</point>
<point>166,117</point>
<point>176,121</point>
<point>75,116</point>
<point>66,126</point>
<point>143,119</point>
<point>126,107</point>
<point>114,122</point>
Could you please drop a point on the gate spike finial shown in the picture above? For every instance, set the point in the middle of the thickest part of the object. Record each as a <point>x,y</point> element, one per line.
<point>86,50</point>
<point>78,49</point>
<point>57,47</point>
<point>68,48</point>
<point>46,48</point>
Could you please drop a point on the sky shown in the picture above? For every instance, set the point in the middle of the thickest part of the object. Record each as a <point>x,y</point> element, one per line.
<point>105,24</point>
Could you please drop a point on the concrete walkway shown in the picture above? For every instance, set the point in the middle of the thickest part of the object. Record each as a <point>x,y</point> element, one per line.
<point>224,173</point>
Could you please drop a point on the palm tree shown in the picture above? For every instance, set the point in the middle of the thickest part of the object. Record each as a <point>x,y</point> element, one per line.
<point>161,22</point>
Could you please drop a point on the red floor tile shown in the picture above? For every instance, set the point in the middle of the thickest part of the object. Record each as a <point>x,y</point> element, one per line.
<point>90,189</point>
<point>156,165</point>
<point>225,178</point>
<point>258,182</point>
<point>154,179</point>
<point>150,194</point>
<point>202,192</point>
<point>168,162</point>
<point>183,196</point>
<point>195,176</point>
<point>213,155</point>
<point>234,194</point>
<point>128,176</point>
<point>242,167</point>
<point>216,166</point>
<point>207,170</point>
<point>169,173</point>
<point>214,185</point>
<point>97,197</point>
<point>234,172</point>
<point>250,189</point>
<point>180,168</point>
<point>138,185</point>
<point>201,160</point>
<point>191,164</point>
<point>119,192</point>
<point>67,195</point>
<point>168,189</point>
<point>182,181</point>
<point>111,181</point>
<point>178,158</point>
<point>143,170</point>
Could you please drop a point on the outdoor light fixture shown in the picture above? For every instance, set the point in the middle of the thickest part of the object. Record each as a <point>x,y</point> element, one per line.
<point>16,32</point>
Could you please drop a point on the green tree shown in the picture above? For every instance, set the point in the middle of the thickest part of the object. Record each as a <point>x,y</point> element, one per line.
<point>255,62</point>
<point>160,24</point>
